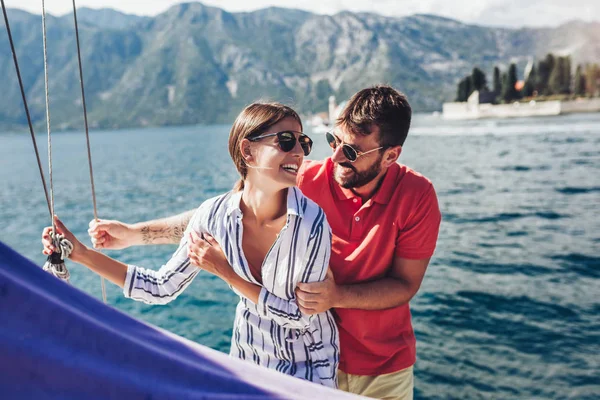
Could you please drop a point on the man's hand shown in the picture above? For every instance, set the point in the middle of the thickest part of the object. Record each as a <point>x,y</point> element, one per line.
<point>318,297</point>
<point>205,253</point>
<point>110,234</point>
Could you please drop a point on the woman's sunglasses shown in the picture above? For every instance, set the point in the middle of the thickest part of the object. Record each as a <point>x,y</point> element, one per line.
<point>287,141</point>
<point>349,152</point>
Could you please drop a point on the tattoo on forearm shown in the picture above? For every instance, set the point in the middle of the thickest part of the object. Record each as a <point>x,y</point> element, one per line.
<point>172,232</point>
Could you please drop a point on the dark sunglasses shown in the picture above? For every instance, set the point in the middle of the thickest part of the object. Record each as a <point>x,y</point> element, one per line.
<point>349,152</point>
<point>287,140</point>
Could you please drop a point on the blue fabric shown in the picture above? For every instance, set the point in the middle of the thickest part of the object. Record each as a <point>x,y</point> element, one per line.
<point>58,342</point>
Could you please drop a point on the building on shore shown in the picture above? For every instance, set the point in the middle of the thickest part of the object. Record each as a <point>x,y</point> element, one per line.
<point>478,107</point>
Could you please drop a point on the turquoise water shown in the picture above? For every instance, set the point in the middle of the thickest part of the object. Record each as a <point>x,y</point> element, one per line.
<point>509,307</point>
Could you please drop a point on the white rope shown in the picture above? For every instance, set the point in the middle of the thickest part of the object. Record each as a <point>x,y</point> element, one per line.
<point>48,115</point>
<point>55,264</point>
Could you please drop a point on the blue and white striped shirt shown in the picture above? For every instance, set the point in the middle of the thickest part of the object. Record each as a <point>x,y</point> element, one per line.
<point>273,333</point>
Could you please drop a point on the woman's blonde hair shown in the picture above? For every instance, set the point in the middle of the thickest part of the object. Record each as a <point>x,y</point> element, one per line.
<point>253,121</point>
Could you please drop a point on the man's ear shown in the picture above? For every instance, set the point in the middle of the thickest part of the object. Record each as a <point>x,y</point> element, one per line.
<point>391,155</point>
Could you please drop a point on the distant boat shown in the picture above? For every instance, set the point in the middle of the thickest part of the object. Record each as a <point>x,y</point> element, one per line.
<point>319,123</point>
<point>322,122</point>
<point>320,128</point>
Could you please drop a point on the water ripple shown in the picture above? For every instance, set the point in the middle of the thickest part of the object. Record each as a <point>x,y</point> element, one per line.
<point>487,267</point>
<point>577,190</point>
<point>501,217</point>
<point>579,264</point>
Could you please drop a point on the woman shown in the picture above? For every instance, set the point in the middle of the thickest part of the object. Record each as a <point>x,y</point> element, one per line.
<point>273,238</point>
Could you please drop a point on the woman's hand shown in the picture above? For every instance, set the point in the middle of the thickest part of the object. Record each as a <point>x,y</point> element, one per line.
<point>111,234</point>
<point>78,247</point>
<point>205,253</point>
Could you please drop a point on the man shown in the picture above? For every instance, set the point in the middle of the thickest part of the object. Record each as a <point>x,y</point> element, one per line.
<point>385,221</point>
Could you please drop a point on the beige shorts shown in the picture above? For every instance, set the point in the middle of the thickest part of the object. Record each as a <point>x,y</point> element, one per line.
<point>397,385</point>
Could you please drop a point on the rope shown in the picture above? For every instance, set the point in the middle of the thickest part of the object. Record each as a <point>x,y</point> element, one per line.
<point>16,62</point>
<point>55,263</point>
<point>48,115</point>
<point>87,134</point>
<point>65,247</point>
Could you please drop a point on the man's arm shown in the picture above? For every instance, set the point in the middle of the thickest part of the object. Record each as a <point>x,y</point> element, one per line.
<point>111,234</point>
<point>416,239</point>
<point>402,283</point>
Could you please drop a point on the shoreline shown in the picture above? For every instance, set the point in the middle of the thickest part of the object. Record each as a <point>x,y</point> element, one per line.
<point>474,110</point>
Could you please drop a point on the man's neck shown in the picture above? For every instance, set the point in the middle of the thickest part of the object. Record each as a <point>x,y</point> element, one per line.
<point>367,191</point>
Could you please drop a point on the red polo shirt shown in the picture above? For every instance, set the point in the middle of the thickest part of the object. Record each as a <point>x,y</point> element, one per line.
<point>402,219</point>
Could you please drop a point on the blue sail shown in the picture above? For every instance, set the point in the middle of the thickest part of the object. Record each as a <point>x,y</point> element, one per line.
<point>58,342</point>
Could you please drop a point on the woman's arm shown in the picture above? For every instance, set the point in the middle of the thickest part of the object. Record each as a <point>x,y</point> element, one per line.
<point>103,265</point>
<point>112,234</point>
<point>164,285</point>
<point>111,269</point>
<point>148,286</point>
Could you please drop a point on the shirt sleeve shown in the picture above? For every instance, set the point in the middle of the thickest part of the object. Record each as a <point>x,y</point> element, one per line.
<point>417,239</point>
<point>314,268</point>
<point>163,286</point>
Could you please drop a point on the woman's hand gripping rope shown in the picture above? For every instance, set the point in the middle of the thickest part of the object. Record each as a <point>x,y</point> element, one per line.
<point>58,247</point>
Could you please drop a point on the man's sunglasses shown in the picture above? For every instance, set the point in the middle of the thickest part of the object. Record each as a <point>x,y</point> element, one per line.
<point>287,140</point>
<point>349,152</point>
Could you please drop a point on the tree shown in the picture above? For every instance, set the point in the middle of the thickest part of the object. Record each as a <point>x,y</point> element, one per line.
<point>468,87</point>
<point>460,91</point>
<point>504,91</point>
<point>545,68</point>
<point>497,85</point>
<point>509,81</point>
<point>592,79</point>
<point>560,77</point>
<point>555,80</point>
<point>479,80</point>
<point>464,89</point>
<point>566,78</point>
<point>529,87</point>
<point>579,83</point>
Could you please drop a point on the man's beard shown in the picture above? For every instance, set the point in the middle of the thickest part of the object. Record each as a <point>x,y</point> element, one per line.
<point>357,179</point>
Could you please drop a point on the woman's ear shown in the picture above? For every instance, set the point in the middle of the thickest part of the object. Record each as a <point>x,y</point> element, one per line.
<point>246,151</point>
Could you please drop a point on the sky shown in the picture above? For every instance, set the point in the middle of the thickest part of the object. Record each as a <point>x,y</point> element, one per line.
<point>508,13</point>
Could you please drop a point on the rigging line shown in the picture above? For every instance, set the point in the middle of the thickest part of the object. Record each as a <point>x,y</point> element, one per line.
<point>48,116</point>
<point>87,134</point>
<point>16,62</point>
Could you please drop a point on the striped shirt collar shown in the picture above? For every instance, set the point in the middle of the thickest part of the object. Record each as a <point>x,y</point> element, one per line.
<point>294,202</point>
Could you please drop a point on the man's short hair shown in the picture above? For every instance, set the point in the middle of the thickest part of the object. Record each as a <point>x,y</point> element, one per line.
<point>381,106</point>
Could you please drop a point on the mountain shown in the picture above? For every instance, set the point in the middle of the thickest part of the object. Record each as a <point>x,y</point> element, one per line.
<point>106,18</point>
<point>200,64</point>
